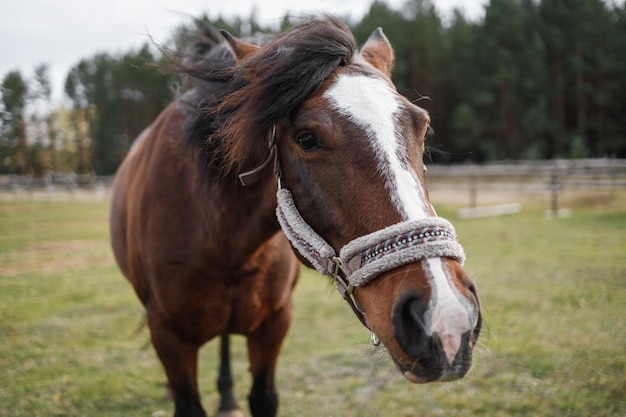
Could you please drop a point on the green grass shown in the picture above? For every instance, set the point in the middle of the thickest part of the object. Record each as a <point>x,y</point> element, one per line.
<point>553,344</point>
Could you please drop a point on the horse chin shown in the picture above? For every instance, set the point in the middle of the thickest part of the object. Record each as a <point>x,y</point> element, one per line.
<point>416,377</point>
<point>411,377</point>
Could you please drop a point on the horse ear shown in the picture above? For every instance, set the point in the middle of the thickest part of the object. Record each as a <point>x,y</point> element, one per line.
<point>378,52</point>
<point>240,48</point>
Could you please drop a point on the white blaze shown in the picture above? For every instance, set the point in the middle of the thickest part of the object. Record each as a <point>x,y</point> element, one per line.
<point>451,317</point>
<point>370,103</point>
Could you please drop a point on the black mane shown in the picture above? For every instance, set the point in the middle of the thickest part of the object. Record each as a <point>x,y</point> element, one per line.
<point>238,103</point>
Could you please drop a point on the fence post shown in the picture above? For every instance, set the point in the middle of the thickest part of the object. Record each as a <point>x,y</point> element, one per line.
<point>472,187</point>
<point>554,187</point>
<point>612,175</point>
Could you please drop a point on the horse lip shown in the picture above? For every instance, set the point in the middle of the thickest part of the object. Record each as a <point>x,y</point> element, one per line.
<point>409,374</point>
<point>411,377</point>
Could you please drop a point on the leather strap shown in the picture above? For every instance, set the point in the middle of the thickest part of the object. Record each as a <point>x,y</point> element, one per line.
<point>253,176</point>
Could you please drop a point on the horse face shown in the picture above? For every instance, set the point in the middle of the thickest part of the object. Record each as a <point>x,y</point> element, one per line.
<point>352,158</point>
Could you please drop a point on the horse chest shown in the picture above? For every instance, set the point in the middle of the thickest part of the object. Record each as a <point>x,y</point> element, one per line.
<point>240,303</point>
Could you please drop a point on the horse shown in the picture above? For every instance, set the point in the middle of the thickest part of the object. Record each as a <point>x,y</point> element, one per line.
<point>295,151</point>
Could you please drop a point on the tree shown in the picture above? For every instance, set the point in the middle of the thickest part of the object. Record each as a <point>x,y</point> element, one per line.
<point>43,138</point>
<point>463,91</point>
<point>583,42</point>
<point>76,88</point>
<point>612,88</point>
<point>424,79</point>
<point>117,97</point>
<point>533,79</point>
<point>13,141</point>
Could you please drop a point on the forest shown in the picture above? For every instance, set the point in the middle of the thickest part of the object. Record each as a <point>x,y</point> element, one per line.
<point>530,80</point>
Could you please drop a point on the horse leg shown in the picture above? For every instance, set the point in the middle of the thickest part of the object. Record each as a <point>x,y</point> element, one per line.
<point>180,360</point>
<point>263,348</point>
<point>228,404</point>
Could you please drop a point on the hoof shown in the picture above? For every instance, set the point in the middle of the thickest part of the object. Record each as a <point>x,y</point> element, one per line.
<point>230,413</point>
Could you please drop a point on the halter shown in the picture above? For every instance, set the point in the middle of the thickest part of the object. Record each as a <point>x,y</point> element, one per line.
<point>365,258</point>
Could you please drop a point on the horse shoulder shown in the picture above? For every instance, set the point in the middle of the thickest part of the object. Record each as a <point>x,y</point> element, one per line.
<point>130,188</point>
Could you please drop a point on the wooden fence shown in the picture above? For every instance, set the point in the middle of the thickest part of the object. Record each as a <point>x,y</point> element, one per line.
<point>475,185</point>
<point>472,185</point>
<point>54,187</point>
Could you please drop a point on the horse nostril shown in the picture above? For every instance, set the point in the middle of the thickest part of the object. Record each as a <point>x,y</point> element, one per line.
<point>472,289</point>
<point>409,326</point>
<point>428,355</point>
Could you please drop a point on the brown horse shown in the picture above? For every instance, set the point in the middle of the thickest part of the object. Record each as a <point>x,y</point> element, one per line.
<point>197,211</point>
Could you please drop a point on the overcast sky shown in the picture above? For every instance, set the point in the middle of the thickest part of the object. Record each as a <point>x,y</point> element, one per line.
<point>62,32</point>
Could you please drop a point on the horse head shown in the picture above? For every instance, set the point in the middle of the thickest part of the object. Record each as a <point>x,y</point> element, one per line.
<point>348,154</point>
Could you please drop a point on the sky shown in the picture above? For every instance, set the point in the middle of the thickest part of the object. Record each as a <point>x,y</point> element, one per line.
<point>62,32</point>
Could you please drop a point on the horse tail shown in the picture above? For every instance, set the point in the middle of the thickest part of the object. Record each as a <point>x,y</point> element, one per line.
<point>143,323</point>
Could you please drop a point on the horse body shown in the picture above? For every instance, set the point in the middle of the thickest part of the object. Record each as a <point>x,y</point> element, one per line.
<point>206,255</point>
<point>202,263</point>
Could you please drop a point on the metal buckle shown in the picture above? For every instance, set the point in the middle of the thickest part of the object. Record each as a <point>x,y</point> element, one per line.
<point>338,264</point>
<point>346,289</point>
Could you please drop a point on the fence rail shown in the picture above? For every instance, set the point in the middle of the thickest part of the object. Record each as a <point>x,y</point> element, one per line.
<point>588,167</point>
<point>518,179</point>
<point>55,186</point>
<point>468,180</point>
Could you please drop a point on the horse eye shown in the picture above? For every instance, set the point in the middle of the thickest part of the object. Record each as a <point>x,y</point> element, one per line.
<point>308,142</point>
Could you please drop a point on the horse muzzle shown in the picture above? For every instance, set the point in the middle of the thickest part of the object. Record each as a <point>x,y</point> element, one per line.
<point>406,285</point>
<point>429,355</point>
<point>429,321</point>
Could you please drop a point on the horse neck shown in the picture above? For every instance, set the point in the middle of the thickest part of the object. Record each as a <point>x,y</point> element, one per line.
<point>220,215</point>
<point>246,212</point>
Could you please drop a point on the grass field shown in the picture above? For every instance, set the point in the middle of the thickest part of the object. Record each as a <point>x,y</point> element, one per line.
<point>553,344</point>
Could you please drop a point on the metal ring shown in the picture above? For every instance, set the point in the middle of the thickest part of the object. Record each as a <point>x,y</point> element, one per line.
<point>374,339</point>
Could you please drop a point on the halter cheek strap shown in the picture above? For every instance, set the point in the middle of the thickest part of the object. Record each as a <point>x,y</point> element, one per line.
<point>365,258</point>
<point>370,255</point>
